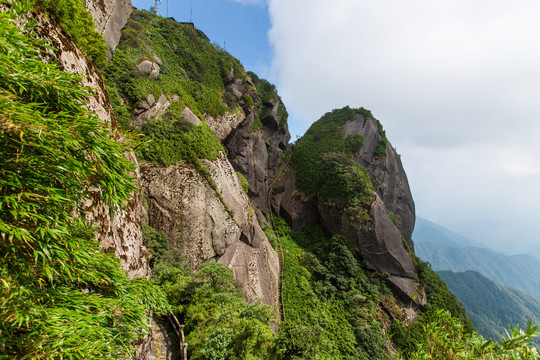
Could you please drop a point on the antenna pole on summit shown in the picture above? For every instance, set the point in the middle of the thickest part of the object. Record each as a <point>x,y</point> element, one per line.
<point>191,13</point>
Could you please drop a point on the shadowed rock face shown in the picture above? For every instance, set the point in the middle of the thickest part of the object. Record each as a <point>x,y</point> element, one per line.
<point>256,153</point>
<point>379,241</point>
<point>388,172</point>
<point>181,202</point>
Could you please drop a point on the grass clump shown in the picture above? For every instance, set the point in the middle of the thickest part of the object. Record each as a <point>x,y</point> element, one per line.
<point>60,294</point>
<point>243,182</point>
<point>172,138</point>
<point>77,22</point>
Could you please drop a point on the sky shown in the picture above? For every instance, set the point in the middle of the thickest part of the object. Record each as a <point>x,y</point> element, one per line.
<point>456,85</point>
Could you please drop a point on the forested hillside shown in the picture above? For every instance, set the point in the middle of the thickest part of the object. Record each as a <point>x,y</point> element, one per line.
<point>491,307</point>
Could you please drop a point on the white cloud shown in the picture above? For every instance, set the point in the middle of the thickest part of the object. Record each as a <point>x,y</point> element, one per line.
<point>455,83</point>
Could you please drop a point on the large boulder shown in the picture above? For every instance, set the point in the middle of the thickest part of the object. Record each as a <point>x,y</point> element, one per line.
<point>110,16</point>
<point>212,224</point>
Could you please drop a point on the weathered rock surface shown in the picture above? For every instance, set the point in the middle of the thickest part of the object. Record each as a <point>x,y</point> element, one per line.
<point>120,234</point>
<point>257,152</point>
<point>388,172</point>
<point>149,108</point>
<point>150,68</point>
<point>378,242</point>
<point>110,16</point>
<point>182,203</point>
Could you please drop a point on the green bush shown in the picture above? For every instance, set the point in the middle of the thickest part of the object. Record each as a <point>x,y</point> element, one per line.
<point>330,305</point>
<point>324,158</point>
<point>192,67</point>
<point>243,182</point>
<point>78,23</point>
<point>61,295</point>
<point>219,323</point>
<point>172,138</point>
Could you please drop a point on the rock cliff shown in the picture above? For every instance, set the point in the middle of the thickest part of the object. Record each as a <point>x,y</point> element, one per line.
<point>387,214</point>
<point>181,202</point>
<point>110,16</point>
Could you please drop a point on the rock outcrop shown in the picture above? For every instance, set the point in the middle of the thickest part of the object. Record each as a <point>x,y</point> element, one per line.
<point>110,16</point>
<point>255,146</point>
<point>393,186</point>
<point>379,241</point>
<point>183,204</point>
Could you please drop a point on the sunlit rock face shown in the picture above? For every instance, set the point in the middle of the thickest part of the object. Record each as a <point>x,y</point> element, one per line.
<point>110,16</point>
<point>181,202</point>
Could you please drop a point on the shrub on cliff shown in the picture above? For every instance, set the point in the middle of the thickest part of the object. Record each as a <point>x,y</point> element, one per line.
<point>78,23</point>
<point>61,296</point>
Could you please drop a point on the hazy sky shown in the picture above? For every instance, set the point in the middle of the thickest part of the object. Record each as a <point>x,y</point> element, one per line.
<point>456,84</point>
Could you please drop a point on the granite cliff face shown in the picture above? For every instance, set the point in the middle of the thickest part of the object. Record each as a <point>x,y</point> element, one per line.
<point>110,16</point>
<point>257,154</point>
<point>387,170</point>
<point>181,202</point>
<point>390,213</point>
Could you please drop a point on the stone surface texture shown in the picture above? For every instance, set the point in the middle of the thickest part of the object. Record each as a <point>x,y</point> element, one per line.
<point>110,16</point>
<point>256,152</point>
<point>388,172</point>
<point>184,205</point>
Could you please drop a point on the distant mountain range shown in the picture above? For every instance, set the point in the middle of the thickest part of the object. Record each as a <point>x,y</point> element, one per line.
<point>447,250</point>
<point>491,307</point>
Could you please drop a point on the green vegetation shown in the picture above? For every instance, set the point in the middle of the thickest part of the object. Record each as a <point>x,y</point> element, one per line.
<point>331,304</point>
<point>77,22</point>
<point>446,339</point>
<point>491,306</point>
<point>61,296</point>
<point>326,166</point>
<point>219,323</point>
<point>243,182</point>
<point>191,68</point>
<point>172,138</point>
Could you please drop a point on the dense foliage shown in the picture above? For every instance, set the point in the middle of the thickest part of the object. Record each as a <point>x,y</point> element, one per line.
<point>324,160</point>
<point>491,306</point>
<point>331,304</point>
<point>445,339</point>
<point>77,22</point>
<point>191,67</point>
<point>173,138</point>
<point>61,296</point>
<point>219,323</point>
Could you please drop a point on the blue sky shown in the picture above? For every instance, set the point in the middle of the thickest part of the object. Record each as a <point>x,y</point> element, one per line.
<point>241,28</point>
<point>455,83</point>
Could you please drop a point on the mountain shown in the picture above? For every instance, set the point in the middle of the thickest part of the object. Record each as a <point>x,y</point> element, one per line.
<point>491,307</point>
<point>517,271</point>
<point>160,189</point>
<point>425,230</point>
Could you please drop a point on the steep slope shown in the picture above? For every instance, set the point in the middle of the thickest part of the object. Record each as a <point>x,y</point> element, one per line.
<point>491,307</point>
<point>517,271</point>
<point>187,96</point>
<point>344,172</point>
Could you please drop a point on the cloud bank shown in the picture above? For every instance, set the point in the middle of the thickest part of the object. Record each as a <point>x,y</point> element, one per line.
<point>455,84</point>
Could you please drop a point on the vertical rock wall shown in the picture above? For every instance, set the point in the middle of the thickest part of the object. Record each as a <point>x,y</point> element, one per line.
<point>110,17</point>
